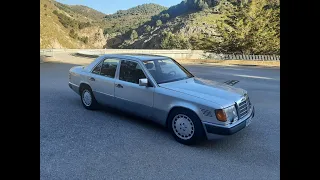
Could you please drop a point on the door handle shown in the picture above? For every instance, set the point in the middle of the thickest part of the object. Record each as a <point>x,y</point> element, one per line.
<point>91,79</point>
<point>119,86</point>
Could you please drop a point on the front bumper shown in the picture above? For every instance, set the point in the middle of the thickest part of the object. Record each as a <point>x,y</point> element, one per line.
<point>228,130</point>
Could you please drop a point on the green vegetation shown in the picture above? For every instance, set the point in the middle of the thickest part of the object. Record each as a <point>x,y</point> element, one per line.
<point>84,39</point>
<point>61,27</point>
<point>124,21</point>
<point>147,28</point>
<point>83,25</point>
<point>242,27</point>
<point>83,13</point>
<point>158,22</point>
<point>74,35</point>
<point>88,12</point>
<point>65,20</point>
<point>134,35</point>
<point>250,29</point>
<point>69,22</point>
<point>227,26</point>
<point>171,41</point>
<point>184,7</point>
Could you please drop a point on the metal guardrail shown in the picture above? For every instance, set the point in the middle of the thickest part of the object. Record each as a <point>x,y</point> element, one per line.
<point>241,57</point>
<point>251,57</point>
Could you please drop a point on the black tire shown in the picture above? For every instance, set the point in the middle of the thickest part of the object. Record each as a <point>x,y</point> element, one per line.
<point>198,131</point>
<point>90,106</point>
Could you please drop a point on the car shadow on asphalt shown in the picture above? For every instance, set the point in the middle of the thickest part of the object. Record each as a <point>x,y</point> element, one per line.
<point>140,120</point>
<point>148,123</point>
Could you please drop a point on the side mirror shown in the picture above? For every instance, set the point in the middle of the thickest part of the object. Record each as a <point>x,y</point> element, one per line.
<point>143,82</point>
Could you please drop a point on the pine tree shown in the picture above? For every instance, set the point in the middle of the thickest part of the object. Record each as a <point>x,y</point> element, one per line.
<point>253,28</point>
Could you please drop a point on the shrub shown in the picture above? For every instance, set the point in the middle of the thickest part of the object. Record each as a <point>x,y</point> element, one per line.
<point>73,34</point>
<point>158,22</point>
<point>147,28</point>
<point>171,41</point>
<point>134,35</point>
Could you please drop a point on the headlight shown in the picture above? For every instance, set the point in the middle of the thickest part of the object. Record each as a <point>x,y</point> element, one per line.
<point>227,114</point>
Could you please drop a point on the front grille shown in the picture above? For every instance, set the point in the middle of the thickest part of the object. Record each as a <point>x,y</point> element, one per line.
<point>243,108</point>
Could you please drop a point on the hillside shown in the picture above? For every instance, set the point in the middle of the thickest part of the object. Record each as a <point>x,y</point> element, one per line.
<point>189,20</point>
<point>186,26</point>
<point>63,27</point>
<point>236,26</point>
<point>227,26</point>
<point>52,33</point>
<point>77,26</point>
<point>88,12</point>
<point>118,25</point>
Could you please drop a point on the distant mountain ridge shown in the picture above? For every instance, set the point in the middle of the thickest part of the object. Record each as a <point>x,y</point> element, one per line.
<point>230,26</point>
<point>88,12</point>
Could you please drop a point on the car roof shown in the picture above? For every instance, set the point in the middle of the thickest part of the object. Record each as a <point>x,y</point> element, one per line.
<point>140,57</point>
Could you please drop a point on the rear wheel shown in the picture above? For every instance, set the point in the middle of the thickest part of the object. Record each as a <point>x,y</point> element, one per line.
<point>87,98</point>
<point>185,126</point>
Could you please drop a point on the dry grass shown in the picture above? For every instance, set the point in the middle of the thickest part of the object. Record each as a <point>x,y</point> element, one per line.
<point>65,57</point>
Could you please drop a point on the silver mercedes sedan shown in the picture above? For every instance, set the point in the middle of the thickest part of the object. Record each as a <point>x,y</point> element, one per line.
<point>160,89</point>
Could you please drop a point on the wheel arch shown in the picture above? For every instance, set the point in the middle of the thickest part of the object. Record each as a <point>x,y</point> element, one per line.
<point>82,85</point>
<point>183,108</point>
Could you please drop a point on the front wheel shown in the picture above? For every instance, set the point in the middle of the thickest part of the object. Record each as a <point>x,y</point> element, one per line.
<point>186,127</point>
<point>87,98</point>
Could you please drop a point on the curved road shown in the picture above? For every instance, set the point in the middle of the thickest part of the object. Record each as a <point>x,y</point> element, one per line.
<point>79,144</point>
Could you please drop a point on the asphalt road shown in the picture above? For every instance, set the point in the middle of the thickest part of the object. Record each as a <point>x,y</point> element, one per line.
<point>79,144</point>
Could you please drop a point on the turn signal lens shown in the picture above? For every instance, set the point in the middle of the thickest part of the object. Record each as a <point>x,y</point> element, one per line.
<point>221,115</point>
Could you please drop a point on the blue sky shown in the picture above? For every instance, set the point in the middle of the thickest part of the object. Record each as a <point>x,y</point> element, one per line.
<point>111,6</point>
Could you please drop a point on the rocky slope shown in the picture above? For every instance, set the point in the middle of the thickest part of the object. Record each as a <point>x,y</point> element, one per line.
<point>195,24</point>
<point>56,22</point>
<point>77,26</point>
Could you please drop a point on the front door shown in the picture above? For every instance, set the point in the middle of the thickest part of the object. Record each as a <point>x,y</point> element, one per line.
<point>102,81</point>
<point>130,96</point>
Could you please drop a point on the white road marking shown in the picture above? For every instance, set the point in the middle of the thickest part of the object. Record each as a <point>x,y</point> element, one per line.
<point>257,77</point>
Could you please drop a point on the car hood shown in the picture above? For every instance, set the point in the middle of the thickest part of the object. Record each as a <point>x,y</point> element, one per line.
<point>216,92</point>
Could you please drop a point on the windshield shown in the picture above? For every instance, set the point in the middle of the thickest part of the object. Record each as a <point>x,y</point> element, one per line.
<point>166,70</point>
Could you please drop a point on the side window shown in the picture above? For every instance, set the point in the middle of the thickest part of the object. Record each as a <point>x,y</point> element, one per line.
<point>97,69</point>
<point>109,67</point>
<point>131,72</point>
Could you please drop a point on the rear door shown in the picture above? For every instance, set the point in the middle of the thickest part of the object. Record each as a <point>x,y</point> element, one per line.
<point>129,95</point>
<point>102,81</point>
